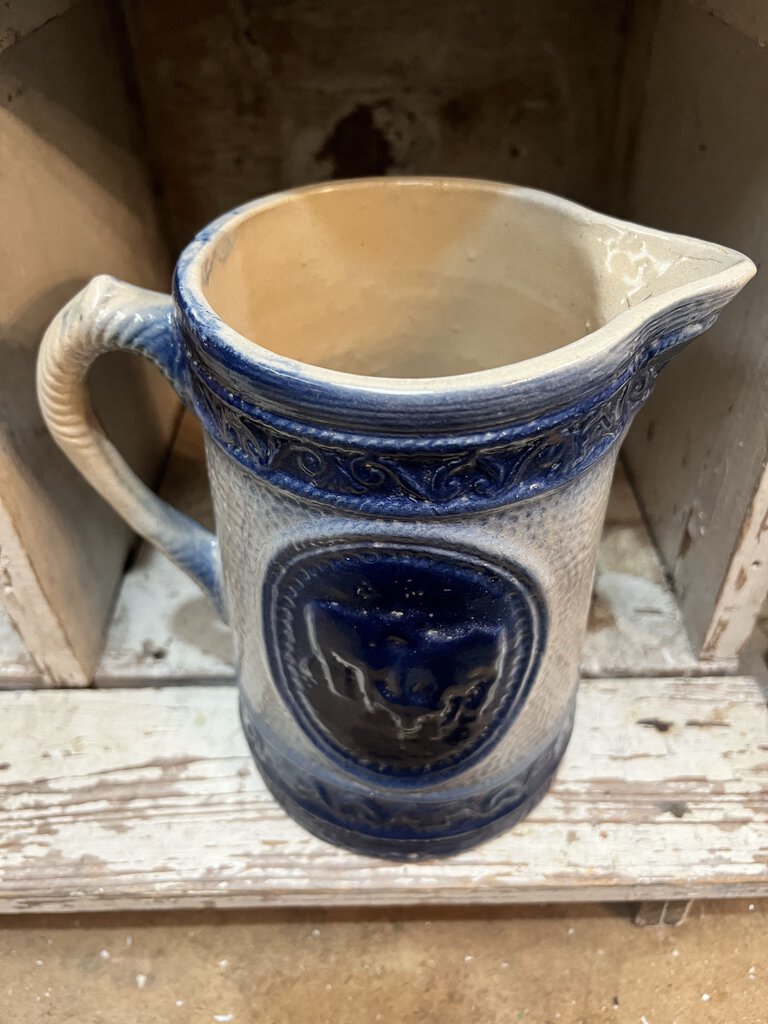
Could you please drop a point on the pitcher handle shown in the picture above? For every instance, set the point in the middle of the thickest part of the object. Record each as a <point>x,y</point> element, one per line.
<point>107,315</point>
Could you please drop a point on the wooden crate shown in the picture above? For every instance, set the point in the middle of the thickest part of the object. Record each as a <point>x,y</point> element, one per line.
<point>138,791</point>
<point>698,453</point>
<point>76,200</point>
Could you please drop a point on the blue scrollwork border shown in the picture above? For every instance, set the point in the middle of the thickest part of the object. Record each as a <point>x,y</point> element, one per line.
<point>427,475</point>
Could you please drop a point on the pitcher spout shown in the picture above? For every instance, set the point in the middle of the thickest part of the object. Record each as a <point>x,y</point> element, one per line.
<point>659,289</point>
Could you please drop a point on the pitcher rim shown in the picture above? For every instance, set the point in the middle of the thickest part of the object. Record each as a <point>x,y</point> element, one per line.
<point>557,370</point>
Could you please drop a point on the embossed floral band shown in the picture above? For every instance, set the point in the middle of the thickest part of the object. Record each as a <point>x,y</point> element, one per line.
<point>413,392</point>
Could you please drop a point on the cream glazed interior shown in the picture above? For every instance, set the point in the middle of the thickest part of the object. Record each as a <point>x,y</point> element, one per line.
<point>422,278</point>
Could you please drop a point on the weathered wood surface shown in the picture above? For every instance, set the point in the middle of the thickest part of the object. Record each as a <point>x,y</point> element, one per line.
<point>246,98</point>
<point>164,630</point>
<point>20,18</point>
<point>148,798</point>
<point>16,665</point>
<point>747,16</point>
<point>746,580</point>
<point>698,451</point>
<point>75,200</point>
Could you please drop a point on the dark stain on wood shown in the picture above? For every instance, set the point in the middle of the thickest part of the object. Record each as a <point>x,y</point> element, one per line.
<point>741,578</point>
<point>245,98</point>
<point>633,757</point>
<point>600,614</point>
<point>459,111</point>
<point>711,646</point>
<point>357,147</point>
<point>659,724</point>
<point>676,808</point>
<point>685,541</point>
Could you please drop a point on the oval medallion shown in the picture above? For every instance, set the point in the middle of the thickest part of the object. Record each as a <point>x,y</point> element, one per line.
<point>403,659</point>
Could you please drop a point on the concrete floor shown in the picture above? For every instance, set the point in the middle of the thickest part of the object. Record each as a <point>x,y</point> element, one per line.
<point>535,965</point>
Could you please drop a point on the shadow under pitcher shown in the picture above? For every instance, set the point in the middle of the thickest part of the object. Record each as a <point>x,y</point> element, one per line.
<point>413,392</point>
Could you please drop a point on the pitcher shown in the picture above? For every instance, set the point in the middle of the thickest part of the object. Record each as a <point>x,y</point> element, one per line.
<point>413,392</point>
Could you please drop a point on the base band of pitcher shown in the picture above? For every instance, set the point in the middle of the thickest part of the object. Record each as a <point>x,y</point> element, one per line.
<point>398,823</point>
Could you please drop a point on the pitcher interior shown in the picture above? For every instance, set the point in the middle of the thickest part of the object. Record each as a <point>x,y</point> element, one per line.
<point>428,278</point>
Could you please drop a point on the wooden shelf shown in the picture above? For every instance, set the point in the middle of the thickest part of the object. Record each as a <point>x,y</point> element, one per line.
<point>147,798</point>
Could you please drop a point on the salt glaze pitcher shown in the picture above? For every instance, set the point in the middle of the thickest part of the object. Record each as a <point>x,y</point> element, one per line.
<point>413,392</point>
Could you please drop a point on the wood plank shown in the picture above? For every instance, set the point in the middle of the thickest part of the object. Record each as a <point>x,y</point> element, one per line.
<point>32,622</point>
<point>16,665</point>
<point>698,450</point>
<point>165,631</point>
<point>747,16</point>
<point>75,200</point>
<point>746,581</point>
<point>247,98</point>
<point>20,18</point>
<point>148,799</point>
<point>755,656</point>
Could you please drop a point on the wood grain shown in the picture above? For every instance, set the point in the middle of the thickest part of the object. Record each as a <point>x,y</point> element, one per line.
<point>20,18</point>
<point>75,200</point>
<point>148,798</point>
<point>244,98</point>
<point>698,450</point>
<point>744,588</point>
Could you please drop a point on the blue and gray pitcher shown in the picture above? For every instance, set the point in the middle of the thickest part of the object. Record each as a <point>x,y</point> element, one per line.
<point>413,392</point>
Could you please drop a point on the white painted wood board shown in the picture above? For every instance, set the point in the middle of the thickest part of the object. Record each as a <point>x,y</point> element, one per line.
<point>75,200</point>
<point>165,631</point>
<point>746,580</point>
<point>131,799</point>
<point>698,451</point>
